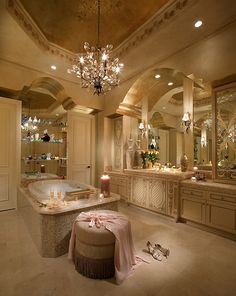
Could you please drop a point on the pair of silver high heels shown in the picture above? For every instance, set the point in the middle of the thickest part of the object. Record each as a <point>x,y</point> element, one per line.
<point>157,252</point>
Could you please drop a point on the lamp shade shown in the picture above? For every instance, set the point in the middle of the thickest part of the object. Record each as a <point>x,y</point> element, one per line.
<point>186,116</point>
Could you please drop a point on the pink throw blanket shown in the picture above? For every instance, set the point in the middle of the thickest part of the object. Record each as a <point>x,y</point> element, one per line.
<point>119,225</point>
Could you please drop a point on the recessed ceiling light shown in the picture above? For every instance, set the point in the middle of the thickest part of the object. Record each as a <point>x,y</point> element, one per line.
<point>170,83</point>
<point>53,67</point>
<point>198,24</point>
<point>157,76</point>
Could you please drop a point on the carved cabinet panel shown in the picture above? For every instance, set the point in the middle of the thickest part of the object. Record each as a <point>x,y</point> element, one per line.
<point>157,196</point>
<point>139,191</point>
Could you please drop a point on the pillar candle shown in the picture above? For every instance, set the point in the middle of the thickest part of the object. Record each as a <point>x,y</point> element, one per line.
<point>105,185</point>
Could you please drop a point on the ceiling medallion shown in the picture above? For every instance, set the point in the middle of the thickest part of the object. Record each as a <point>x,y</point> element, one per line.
<point>96,68</point>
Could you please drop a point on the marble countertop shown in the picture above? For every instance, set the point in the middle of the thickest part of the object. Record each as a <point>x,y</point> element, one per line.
<point>209,184</point>
<point>167,174</point>
<point>84,203</point>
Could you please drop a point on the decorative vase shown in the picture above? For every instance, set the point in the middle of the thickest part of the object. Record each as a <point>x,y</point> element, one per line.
<point>145,164</point>
<point>129,154</point>
<point>137,160</point>
<point>184,163</point>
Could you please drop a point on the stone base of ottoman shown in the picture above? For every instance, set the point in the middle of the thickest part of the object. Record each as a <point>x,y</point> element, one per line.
<point>94,268</point>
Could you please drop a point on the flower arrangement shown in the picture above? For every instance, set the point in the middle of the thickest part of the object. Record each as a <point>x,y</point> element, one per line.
<point>144,155</point>
<point>151,156</point>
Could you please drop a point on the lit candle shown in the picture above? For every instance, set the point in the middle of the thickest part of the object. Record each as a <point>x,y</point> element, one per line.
<point>51,196</point>
<point>101,196</point>
<point>105,185</point>
<point>59,196</point>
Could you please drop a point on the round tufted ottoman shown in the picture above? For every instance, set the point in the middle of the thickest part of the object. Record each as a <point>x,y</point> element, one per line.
<point>94,250</point>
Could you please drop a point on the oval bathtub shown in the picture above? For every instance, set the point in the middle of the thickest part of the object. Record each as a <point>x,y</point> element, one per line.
<point>41,189</point>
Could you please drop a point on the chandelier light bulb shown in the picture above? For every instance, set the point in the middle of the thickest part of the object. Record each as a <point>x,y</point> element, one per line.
<point>81,60</point>
<point>157,76</point>
<point>104,57</point>
<point>35,120</point>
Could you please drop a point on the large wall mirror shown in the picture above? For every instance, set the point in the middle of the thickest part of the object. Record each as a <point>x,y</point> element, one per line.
<point>203,135</point>
<point>225,133</point>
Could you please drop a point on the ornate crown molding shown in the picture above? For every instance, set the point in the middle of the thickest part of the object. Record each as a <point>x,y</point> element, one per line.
<point>163,16</point>
<point>17,11</point>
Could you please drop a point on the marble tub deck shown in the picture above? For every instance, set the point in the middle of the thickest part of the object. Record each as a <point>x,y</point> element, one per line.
<point>50,228</point>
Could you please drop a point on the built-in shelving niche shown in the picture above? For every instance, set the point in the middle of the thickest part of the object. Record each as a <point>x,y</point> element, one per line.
<point>41,156</point>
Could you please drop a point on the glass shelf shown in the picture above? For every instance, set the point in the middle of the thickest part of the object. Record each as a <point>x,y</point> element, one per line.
<point>28,142</point>
<point>36,160</point>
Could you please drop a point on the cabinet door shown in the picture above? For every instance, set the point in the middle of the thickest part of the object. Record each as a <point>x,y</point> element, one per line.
<point>139,191</point>
<point>80,148</point>
<point>193,210</point>
<point>193,205</point>
<point>157,196</point>
<point>9,152</point>
<point>221,216</point>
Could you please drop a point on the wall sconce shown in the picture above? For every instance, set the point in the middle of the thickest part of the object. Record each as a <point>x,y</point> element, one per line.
<point>144,128</point>
<point>186,121</point>
<point>203,142</point>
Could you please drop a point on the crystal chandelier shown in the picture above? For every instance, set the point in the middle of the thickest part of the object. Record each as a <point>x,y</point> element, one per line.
<point>96,68</point>
<point>29,124</point>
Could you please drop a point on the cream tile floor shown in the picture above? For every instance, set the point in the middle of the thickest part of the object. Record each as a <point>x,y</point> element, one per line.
<point>200,263</point>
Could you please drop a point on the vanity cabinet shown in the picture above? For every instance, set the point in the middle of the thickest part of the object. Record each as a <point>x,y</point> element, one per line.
<point>210,204</point>
<point>156,191</point>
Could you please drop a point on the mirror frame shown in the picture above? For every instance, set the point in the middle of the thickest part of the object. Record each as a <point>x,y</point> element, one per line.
<point>215,176</point>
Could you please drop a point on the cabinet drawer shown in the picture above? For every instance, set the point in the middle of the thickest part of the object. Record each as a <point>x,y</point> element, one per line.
<point>192,192</point>
<point>222,197</point>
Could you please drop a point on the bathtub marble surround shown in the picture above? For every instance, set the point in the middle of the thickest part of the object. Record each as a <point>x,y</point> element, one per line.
<point>50,227</point>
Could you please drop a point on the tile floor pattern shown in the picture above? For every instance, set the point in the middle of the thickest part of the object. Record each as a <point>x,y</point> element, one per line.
<point>200,263</point>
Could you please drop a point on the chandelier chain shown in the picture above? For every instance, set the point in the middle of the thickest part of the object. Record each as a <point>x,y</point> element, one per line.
<point>98,27</point>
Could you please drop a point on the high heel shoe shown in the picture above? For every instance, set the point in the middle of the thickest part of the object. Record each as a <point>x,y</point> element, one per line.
<point>156,254</point>
<point>165,252</point>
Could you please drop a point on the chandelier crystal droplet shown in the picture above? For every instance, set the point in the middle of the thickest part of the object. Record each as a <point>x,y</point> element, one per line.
<point>96,68</point>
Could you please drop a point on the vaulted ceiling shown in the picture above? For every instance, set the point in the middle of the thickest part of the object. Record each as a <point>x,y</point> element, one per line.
<point>147,35</point>
<point>70,23</point>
